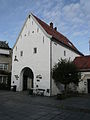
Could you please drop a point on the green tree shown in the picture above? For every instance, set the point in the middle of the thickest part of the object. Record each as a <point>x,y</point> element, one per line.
<point>65,72</point>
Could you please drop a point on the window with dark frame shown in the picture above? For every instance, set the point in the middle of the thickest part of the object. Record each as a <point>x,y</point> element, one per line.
<point>64,53</point>
<point>43,39</point>
<point>35,50</point>
<point>21,53</point>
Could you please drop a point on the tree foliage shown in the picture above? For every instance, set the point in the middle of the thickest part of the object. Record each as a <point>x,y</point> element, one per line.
<point>65,72</point>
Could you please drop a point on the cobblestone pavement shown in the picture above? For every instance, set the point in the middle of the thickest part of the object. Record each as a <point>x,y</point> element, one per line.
<point>20,106</point>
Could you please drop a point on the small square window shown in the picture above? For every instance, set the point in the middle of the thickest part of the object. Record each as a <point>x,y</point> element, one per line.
<point>64,53</point>
<point>21,53</point>
<point>35,50</point>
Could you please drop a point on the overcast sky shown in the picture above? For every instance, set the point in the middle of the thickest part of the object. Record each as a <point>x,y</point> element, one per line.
<point>71,17</point>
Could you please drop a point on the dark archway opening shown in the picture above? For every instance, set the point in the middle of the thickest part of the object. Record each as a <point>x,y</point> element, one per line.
<point>27,78</point>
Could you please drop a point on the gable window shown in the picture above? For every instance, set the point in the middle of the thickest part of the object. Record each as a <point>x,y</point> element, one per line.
<point>37,30</point>
<point>64,53</point>
<point>43,39</point>
<point>21,53</point>
<point>32,22</point>
<point>35,50</point>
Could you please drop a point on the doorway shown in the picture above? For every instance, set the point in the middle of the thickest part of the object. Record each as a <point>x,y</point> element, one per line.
<point>27,78</point>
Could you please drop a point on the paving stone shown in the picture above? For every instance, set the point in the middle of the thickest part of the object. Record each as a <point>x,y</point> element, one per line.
<point>17,106</point>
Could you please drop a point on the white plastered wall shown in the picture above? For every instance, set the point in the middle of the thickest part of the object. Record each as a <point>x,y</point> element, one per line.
<point>83,84</point>
<point>39,63</point>
<point>57,54</point>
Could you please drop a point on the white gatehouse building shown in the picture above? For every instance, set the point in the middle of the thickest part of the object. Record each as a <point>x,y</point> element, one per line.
<point>38,48</point>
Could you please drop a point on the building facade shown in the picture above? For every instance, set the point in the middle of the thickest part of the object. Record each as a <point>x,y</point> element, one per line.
<point>83,65</point>
<point>5,65</point>
<point>38,48</point>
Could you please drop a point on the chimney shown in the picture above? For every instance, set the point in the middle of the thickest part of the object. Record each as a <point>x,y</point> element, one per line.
<point>51,25</point>
<point>29,16</point>
<point>55,28</point>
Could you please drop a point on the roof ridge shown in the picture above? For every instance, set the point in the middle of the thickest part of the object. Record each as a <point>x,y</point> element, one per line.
<point>82,62</point>
<point>57,35</point>
<point>50,27</point>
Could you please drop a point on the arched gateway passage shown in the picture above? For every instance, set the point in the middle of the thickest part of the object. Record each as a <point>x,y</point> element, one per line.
<point>27,76</point>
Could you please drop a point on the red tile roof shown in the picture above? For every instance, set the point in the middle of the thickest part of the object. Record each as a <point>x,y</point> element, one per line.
<point>56,35</point>
<point>82,63</point>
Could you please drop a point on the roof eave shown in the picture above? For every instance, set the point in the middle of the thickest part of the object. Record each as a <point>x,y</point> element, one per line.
<point>68,47</point>
<point>30,14</point>
<point>48,35</point>
<point>20,31</point>
<point>5,48</point>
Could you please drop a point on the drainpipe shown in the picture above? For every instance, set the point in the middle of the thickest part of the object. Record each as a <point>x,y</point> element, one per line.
<point>51,67</point>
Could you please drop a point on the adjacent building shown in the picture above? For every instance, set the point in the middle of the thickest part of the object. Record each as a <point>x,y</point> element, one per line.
<point>83,65</point>
<point>5,65</point>
<point>38,48</point>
